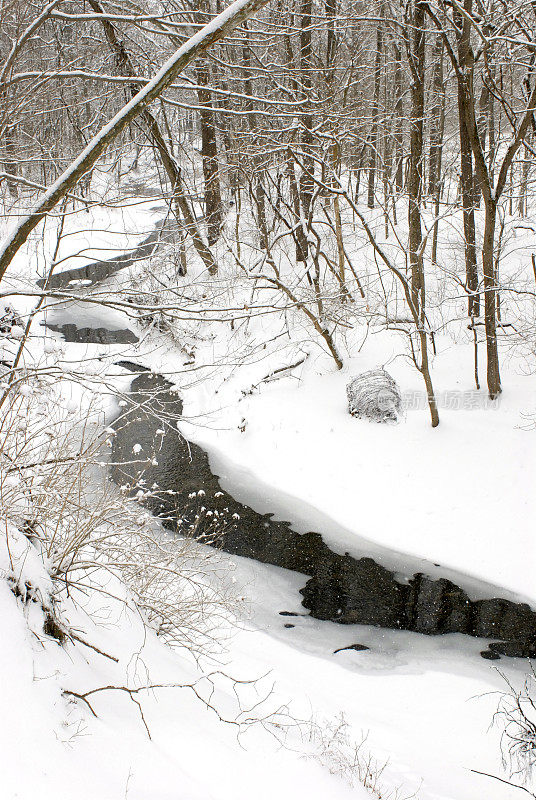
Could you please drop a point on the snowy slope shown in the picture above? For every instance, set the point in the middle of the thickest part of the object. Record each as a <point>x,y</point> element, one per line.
<point>50,740</point>
<point>53,746</point>
<point>460,495</point>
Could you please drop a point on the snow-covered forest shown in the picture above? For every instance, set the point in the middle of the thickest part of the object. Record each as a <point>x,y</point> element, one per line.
<point>267,399</point>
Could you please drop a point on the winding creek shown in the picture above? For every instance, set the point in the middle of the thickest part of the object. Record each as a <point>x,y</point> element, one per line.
<point>177,483</point>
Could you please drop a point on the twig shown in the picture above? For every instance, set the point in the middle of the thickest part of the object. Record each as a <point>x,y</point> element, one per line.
<point>503,780</point>
<point>81,697</point>
<point>72,635</point>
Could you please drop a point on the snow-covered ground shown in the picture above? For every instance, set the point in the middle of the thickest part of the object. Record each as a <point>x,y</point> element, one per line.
<point>420,706</point>
<point>460,496</point>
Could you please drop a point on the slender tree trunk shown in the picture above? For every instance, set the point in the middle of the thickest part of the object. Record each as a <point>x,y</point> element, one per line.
<point>209,155</point>
<point>300,237</point>
<point>331,44</point>
<point>490,304</point>
<point>439,182</point>
<point>467,192</point>
<point>425,372</point>
<point>491,133</point>
<point>523,189</point>
<point>465,56</point>
<point>399,120</point>
<point>437,199</point>
<point>331,39</point>
<point>374,139</point>
<point>436,117</point>
<point>306,70</point>
<point>300,233</point>
<point>258,187</point>
<point>10,161</point>
<point>416,53</point>
<point>437,129</point>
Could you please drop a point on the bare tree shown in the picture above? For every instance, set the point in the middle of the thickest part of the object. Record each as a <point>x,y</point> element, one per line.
<point>466,23</point>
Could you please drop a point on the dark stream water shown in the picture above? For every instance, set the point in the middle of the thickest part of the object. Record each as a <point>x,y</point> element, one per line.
<point>178,485</point>
<point>172,471</point>
<point>98,271</point>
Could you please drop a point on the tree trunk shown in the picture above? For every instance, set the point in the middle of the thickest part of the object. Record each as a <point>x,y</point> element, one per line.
<point>306,184</point>
<point>490,304</point>
<point>258,187</point>
<point>416,55</point>
<point>300,237</point>
<point>425,372</point>
<point>373,138</point>
<point>209,155</point>
<point>467,191</point>
<point>523,189</point>
<point>10,161</point>
<point>399,121</point>
<point>466,59</point>
<point>436,115</point>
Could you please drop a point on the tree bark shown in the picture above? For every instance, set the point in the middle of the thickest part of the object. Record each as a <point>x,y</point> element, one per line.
<point>257,177</point>
<point>467,179</point>
<point>490,300</point>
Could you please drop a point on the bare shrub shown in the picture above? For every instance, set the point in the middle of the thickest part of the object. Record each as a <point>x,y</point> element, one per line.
<point>516,714</point>
<point>348,758</point>
<point>89,534</point>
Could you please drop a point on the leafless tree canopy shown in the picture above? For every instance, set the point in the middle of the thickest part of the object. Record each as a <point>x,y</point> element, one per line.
<point>310,125</point>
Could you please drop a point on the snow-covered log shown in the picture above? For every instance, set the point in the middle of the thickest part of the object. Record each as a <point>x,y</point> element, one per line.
<point>211,33</point>
<point>374,395</point>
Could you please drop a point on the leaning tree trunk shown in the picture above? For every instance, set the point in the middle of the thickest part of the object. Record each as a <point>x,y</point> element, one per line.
<point>217,29</point>
<point>125,67</point>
